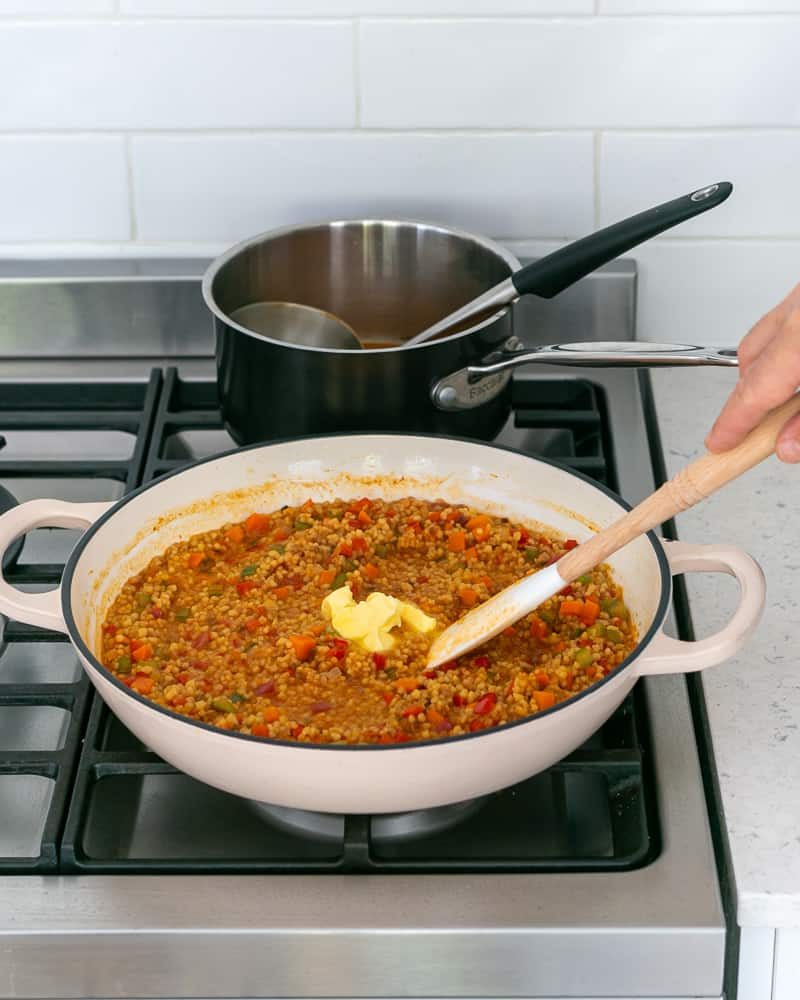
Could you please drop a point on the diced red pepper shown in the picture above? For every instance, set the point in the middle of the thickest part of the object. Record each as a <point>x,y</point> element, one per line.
<point>412,710</point>
<point>485,704</point>
<point>379,660</point>
<point>259,729</point>
<point>481,661</point>
<point>244,587</point>
<point>459,699</point>
<point>570,544</point>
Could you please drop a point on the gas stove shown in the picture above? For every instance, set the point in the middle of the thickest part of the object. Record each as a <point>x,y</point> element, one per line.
<point>120,876</point>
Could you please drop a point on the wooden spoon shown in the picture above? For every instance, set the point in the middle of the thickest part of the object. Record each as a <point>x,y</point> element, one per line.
<point>686,488</point>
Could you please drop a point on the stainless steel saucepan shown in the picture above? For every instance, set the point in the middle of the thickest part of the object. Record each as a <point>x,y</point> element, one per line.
<point>388,281</point>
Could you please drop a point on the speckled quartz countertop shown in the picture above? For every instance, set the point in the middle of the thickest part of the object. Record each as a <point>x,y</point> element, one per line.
<point>753,700</point>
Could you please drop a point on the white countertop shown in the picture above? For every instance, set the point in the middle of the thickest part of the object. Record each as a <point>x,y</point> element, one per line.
<point>753,700</point>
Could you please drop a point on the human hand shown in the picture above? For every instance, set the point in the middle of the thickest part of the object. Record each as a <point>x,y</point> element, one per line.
<point>769,374</point>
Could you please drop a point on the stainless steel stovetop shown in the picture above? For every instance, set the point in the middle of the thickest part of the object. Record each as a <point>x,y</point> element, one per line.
<point>99,898</point>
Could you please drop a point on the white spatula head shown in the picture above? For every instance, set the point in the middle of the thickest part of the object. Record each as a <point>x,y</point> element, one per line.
<point>494,615</point>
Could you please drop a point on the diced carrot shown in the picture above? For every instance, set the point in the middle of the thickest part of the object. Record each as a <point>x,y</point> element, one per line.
<point>143,684</point>
<point>480,526</point>
<point>468,596</point>
<point>541,678</point>
<point>412,710</point>
<point>454,515</point>
<point>590,612</point>
<point>344,549</point>
<point>195,558</point>
<point>251,625</point>
<point>358,505</point>
<point>244,587</point>
<point>296,730</point>
<point>471,553</point>
<point>303,645</point>
<point>570,607</point>
<point>387,696</point>
<point>457,542</point>
<point>281,534</point>
<point>317,629</point>
<point>434,717</point>
<point>257,524</point>
<point>435,515</point>
<point>281,593</point>
<point>544,699</point>
<point>539,628</point>
<point>364,517</point>
<point>326,577</point>
<point>485,580</point>
<point>271,714</point>
<point>183,676</point>
<point>143,652</point>
<point>259,729</point>
<point>406,684</point>
<point>370,571</point>
<point>235,534</point>
<point>509,631</point>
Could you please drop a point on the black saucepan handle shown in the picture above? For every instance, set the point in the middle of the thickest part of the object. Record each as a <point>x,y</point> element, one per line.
<point>552,274</point>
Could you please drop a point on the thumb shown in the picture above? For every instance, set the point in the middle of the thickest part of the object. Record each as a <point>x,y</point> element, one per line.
<point>788,445</point>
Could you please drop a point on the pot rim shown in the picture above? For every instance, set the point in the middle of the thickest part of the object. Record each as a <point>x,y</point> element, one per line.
<point>219,262</point>
<point>86,653</point>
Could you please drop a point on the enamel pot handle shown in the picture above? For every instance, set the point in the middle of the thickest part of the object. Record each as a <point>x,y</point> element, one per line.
<point>43,610</point>
<point>666,655</point>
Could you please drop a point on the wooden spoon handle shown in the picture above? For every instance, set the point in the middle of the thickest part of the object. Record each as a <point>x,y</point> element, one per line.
<point>697,481</point>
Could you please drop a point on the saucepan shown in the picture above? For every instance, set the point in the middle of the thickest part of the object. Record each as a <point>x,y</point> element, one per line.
<point>122,537</point>
<point>387,281</point>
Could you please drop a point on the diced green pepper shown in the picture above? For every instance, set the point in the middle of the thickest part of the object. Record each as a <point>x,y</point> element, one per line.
<point>350,565</point>
<point>586,578</point>
<point>613,634</point>
<point>597,631</point>
<point>223,705</point>
<point>577,633</point>
<point>124,665</point>
<point>382,550</point>
<point>249,646</point>
<point>338,581</point>
<point>546,616</point>
<point>216,589</point>
<point>531,555</point>
<point>618,609</point>
<point>248,571</point>
<point>142,600</point>
<point>583,658</point>
<point>182,614</point>
<point>280,549</point>
<point>301,525</point>
<point>236,698</point>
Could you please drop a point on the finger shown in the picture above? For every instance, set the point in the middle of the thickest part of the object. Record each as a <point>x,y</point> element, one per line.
<point>769,381</point>
<point>757,339</point>
<point>765,329</point>
<point>788,446</point>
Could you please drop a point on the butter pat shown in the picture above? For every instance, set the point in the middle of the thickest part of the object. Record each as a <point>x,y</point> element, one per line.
<point>369,623</point>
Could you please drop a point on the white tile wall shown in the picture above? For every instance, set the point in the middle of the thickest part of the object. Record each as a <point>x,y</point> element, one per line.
<point>73,188</point>
<point>640,169</point>
<point>350,8</point>
<point>175,126</point>
<point>202,187</point>
<point>580,73</point>
<point>187,74</point>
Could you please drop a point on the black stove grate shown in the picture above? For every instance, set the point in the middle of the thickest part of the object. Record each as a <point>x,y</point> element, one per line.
<point>133,813</point>
<point>43,693</point>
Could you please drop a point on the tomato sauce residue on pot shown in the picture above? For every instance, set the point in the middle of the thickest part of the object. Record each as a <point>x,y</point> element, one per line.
<point>228,627</point>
